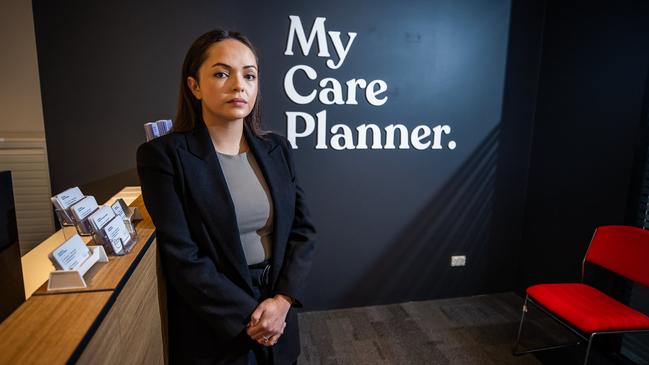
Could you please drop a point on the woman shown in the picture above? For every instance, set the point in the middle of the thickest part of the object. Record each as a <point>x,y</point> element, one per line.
<point>232,228</point>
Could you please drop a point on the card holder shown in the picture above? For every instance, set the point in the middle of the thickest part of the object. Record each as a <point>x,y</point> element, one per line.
<point>110,226</point>
<point>62,203</point>
<point>67,219</point>
<point>64,217</point>
<point>131,229</point>
<point>74,278</point>
<point>132,233</point>
<point>118,236</point>
<point>83,226</point>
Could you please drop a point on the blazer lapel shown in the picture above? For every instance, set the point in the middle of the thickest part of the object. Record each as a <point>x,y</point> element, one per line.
<point>210,191</point>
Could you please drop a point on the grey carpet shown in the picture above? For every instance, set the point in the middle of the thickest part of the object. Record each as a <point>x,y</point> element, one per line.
<point>472,330</point>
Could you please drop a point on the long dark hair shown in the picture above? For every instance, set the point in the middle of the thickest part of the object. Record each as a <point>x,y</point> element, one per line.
<point>189,108</point>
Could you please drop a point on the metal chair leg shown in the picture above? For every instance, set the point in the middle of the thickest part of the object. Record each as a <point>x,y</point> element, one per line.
<point>517,352</point>
<point>520,329</point>
<point>590,344</point>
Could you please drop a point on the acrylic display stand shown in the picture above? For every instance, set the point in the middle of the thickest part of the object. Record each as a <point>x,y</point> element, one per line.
<point>64,217</point>
<point>71,226</point>
<point>83,227</point>
<point>73,279</point>
<point>100,237</point>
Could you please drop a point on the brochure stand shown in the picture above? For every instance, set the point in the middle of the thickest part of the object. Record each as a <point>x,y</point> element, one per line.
<point>110,225</point>
<point>134,214</point>
<point>73,279</point>
<point>67,225</point>
<point>83,226</point>
<point>117,246</point>
<point>66,219</point>
<point>62,203</point>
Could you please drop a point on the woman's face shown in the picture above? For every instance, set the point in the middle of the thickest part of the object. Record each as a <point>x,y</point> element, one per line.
<point>227,82</point>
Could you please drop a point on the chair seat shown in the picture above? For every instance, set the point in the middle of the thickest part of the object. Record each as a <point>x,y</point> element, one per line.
<point>587,308</point>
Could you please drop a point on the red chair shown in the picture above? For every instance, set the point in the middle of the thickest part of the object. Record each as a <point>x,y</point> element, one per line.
<point>585,310</point>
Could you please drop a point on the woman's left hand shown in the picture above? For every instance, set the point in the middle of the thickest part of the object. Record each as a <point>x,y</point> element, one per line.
<point>267,322</point>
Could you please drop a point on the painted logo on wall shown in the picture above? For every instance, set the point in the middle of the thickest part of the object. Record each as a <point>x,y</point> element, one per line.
<point>331,91</point>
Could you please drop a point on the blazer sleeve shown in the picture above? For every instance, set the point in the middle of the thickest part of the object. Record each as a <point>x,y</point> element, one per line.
<point>301,242</point>
<point>214,297</point>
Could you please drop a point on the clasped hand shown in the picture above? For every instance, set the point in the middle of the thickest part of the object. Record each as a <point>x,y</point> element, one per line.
<point>268,321</point>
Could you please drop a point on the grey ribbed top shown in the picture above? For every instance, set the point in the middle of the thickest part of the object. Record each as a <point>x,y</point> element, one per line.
<point>253,204</point>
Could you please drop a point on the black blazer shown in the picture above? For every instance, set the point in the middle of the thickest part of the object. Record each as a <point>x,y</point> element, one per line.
<point>209,293</point>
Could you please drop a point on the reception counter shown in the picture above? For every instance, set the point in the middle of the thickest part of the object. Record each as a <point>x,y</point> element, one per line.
<point>115,320</point>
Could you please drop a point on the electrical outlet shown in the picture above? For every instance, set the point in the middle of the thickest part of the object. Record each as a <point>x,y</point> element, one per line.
<point>458,261</point>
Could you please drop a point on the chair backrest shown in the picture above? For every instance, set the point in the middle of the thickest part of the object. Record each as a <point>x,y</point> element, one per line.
<point>623,250</point>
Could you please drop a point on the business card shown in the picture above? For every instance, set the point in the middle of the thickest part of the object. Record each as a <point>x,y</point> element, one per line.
<point>99,218</point>
<point>117,234</point>
<point>70,254</point>
<point>120,208</point>
<point>151,130</point>
<point>162,127</point>
<point>67,198</point>
<point>84,208</point>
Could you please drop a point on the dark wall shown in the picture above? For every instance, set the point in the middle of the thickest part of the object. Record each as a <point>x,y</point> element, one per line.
<point>11,285</point>
<point>8,227</point>
<point>388,220</point>
<point>519,107</point>
<point>588,127</point>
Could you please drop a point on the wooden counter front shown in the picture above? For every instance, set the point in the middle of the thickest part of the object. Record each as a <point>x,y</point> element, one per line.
<point>117,318</point>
